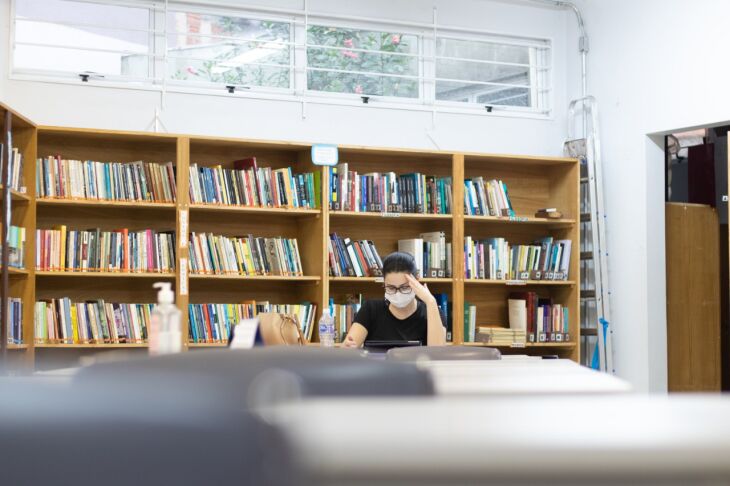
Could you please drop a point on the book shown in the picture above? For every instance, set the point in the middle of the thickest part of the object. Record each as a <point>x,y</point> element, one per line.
<point>16,238</point>
<point>95,321</point>
<point>15,175</point>
<point>486,198</point>
<point>249,185</point>
<point>212,254</point>
<point>14,320</point>
<point>549,213</point>
<point>442,301</point>
<point>414,247</point>
<point>94,250</point>
<point>501,336</point>
<point>353,258</point>
<point>387,192</point>
<point>497,259</point>
<point>344,314</point>
<point>470,318</point>
<point>431,252</point>
<point>212,323</point>
<point>105,181</point>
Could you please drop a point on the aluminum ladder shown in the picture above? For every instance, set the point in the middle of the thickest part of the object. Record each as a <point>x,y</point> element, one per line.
<point>595,313</point>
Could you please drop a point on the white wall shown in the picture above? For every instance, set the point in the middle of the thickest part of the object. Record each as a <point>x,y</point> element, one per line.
<point>86,106</point>
<point>655,66</point>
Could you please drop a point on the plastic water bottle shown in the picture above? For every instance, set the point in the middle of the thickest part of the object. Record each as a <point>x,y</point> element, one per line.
<point>326,330</point>
<point>164,333</point>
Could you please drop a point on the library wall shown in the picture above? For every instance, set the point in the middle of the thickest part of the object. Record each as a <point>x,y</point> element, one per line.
<point>679,81</point>
<point>223,115</point>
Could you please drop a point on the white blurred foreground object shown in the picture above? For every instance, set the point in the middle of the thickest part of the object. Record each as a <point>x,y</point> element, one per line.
<point>512,440</point>
<point>515,375</point>
<point>244,334</point>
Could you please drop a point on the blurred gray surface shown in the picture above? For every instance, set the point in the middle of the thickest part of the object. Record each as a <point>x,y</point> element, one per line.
<point>443,353</point>
<point>622,439</point>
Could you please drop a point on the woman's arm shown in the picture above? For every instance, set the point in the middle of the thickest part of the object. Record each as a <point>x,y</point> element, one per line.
<point>436,332</point>
<point>356,337</point>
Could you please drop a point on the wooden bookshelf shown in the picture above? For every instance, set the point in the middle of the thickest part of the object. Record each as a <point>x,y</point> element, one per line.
<point>533,182</point>
<point>22,213</point>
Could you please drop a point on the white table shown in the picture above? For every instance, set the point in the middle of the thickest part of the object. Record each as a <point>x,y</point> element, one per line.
<point>520,376</point>
<point>588,439</point>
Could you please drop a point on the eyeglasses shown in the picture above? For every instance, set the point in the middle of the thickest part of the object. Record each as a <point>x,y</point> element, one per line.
<point>403,289</point>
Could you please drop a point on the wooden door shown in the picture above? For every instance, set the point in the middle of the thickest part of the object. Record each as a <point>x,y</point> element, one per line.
<point>693,297</point>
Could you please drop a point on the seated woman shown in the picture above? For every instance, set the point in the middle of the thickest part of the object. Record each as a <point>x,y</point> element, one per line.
<point>400,316</point>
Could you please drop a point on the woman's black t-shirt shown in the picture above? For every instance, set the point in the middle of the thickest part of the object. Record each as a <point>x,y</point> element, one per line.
<point>376,317</point>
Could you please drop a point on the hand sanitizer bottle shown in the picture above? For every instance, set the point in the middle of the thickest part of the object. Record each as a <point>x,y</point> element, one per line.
<point>164,333</point>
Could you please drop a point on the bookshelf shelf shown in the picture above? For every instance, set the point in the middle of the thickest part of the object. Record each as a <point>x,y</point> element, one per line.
<point>519,283</point>
<point>17,347</point>
<point>534,182</point>
<point>89,345</point>
<point>17,272</point>
<point>212,208</point>
<point>551,223</point>
<point>395,216</point>
<point>272,278</point>
<point>81,203</point>
<point>527,345</point>
<point>45,273</point>
<point>380,280</point>
<point>16,196</point>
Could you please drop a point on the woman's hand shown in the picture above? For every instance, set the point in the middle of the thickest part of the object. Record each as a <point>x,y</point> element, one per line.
<point>420,289</point>
<point>349,342</point>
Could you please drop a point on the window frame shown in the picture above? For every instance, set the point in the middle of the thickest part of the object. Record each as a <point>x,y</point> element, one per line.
<point>298,90</point>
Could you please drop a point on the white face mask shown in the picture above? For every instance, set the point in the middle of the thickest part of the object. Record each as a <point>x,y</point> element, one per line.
<point>400,300</point>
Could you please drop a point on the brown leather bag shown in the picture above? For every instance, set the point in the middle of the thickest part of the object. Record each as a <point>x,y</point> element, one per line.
<point>279,329</point>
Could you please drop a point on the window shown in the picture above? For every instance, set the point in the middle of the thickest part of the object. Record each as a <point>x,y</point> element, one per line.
<point>69,37</point>
<point>488,73</point>
<point>181,44</point>
<point>364,62</point>
<point>229,50</point>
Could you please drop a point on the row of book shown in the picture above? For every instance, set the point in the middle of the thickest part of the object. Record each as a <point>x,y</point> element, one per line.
<point>544,320</point>
<point>63,321</point>
<point>250,185</point>
<point>432,254</point>
<point>496,259</point>
<point>16,237</point>
<point>353,258</point>
<point>486,198</point>
<point>60,249</point>
<point>344,314</point>
<point>212,323</point>
<point>249,255</point>
<point>17,181</point>
<point>15,320</point>
<point>388,192</point>
<point>106,181</point>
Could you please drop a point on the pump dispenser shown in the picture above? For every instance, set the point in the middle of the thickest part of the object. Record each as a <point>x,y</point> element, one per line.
<point>165,336</point>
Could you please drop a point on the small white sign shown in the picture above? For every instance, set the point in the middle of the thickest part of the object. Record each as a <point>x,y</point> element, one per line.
<point>324,154</point>
<point>244,334</point>
<point>183,228</point>
<point>183,276</point>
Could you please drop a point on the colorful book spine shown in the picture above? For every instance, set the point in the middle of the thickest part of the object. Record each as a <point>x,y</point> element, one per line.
<point>388,192</point>
<point>16,237</point>
<point>212,323</point>
<point>105,181</point>
<point>221,255</point>
<point>15,320</point>
<point>352,258</point>
<point>63,250</point>
<point>486,198</point>
<point>496,259</point>
<point>16,170</point>
<point>344,314</point>
<point>91,322</point>
<point>249,185</point>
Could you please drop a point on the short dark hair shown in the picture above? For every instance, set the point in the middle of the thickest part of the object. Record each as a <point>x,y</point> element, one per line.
<point>398,262</point>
